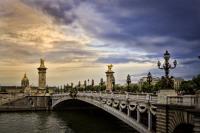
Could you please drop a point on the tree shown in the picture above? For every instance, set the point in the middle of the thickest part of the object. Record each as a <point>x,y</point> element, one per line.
<point>146,87</point>
<point>158,86</point>
<point>187,87</point>
<point>92,82</point>
<point>120,88</point>
<point>190,86</point>
<point>134,88</point>
<point>196,81</point>
<point>2,90</point>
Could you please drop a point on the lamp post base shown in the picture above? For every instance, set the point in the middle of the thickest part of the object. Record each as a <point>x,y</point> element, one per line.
<point>162,95</point>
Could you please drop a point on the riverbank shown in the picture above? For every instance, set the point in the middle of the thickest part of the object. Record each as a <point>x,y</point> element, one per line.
<point>21,109</point>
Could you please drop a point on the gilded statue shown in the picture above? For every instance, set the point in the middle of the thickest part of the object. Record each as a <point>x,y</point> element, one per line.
<point>110,67</point>
<point>42,62</point>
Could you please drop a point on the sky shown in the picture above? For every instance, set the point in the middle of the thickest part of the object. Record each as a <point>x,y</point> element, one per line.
<point>79,38</point>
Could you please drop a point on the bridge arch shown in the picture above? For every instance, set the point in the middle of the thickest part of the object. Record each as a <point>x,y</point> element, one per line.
<point>180,122</point>
<point>183,128</point>
<point>123,117</point>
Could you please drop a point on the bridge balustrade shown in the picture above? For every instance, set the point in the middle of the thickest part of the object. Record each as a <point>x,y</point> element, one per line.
<point>186,100</point>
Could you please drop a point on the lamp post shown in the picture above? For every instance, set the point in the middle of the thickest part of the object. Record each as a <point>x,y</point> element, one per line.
<point>149,78</point>
<point>166,65</point>
<point>85,84</point>
<point>128,81</point>
<point>101,83</point>
<point>168,82</point>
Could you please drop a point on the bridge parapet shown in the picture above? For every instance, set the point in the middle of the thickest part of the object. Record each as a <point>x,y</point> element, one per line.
<point>125,97</point>
<point>8,98</point>
<point>186,100</point>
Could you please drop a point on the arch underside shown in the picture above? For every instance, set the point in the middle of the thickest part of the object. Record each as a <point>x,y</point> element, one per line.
<point>180,121</point>
<point>123,117</point>
<point>183,128</point>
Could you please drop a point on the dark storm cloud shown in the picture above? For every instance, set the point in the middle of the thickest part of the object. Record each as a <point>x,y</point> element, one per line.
<point>59,9</point>
<point>191,61</point>
<point>141,17</point>
<point>177,22</point>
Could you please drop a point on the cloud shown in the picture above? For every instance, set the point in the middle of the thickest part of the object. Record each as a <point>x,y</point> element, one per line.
<point>119,60</point>
<point>30,33</point>
<point>76,33</point>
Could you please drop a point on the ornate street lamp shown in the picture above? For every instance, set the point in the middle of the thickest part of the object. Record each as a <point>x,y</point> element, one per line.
<point>167,82</point>
<point>149,78</point>
<point>166,65</point>
<point>72,84</point>
<point>79,83</point>
<point>101,83</point>
<point>128,81</point>
<point>92,82</point>
<point>85,84</point>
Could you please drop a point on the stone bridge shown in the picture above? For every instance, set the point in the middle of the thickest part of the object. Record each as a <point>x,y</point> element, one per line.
<point>143,112</point>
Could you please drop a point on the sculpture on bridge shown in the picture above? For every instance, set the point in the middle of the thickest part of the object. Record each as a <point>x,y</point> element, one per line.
<point>73,92</point>
<point>110,67</point>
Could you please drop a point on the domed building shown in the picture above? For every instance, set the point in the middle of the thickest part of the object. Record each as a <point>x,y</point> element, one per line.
<point>25,82</point>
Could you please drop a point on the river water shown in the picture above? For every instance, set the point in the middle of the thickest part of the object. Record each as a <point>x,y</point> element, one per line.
<point>68,121</point>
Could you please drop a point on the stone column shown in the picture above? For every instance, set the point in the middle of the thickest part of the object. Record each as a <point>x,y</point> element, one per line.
<point>149,120</point>
<point>110,77</point>
<point>120,109</point>
<point>138,116</point>
<point>42,79</point>
<point>128,112</point>
<point>162,116</point>
<point>162,95</point>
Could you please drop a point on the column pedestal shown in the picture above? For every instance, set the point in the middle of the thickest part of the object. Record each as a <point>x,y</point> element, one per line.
<point>162,95</point>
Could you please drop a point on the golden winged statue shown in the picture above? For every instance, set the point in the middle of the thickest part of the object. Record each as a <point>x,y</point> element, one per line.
<point>110,67</point>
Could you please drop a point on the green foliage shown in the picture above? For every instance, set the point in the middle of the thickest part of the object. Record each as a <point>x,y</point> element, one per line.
<point>146,87</point>
<point>167,83</point>
<point>190,86</point>
<point>187,87</point>
<point>2,89</point>
<point>132,88</point>
<point>119,88</point>
<point>158,86</point>
<point>103,87</point>
<point>196,81</point>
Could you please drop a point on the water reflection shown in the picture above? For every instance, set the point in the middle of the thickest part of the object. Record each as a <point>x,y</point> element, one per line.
<point>71,121</point>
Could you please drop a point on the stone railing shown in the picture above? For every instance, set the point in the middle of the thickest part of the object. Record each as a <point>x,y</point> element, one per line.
<point>118,96</point>
<point>186,100</point>
<point>126,96</point>
<point>7,98</point>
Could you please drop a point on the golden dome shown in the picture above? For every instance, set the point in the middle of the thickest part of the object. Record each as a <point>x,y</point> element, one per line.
<point>25,78</point>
